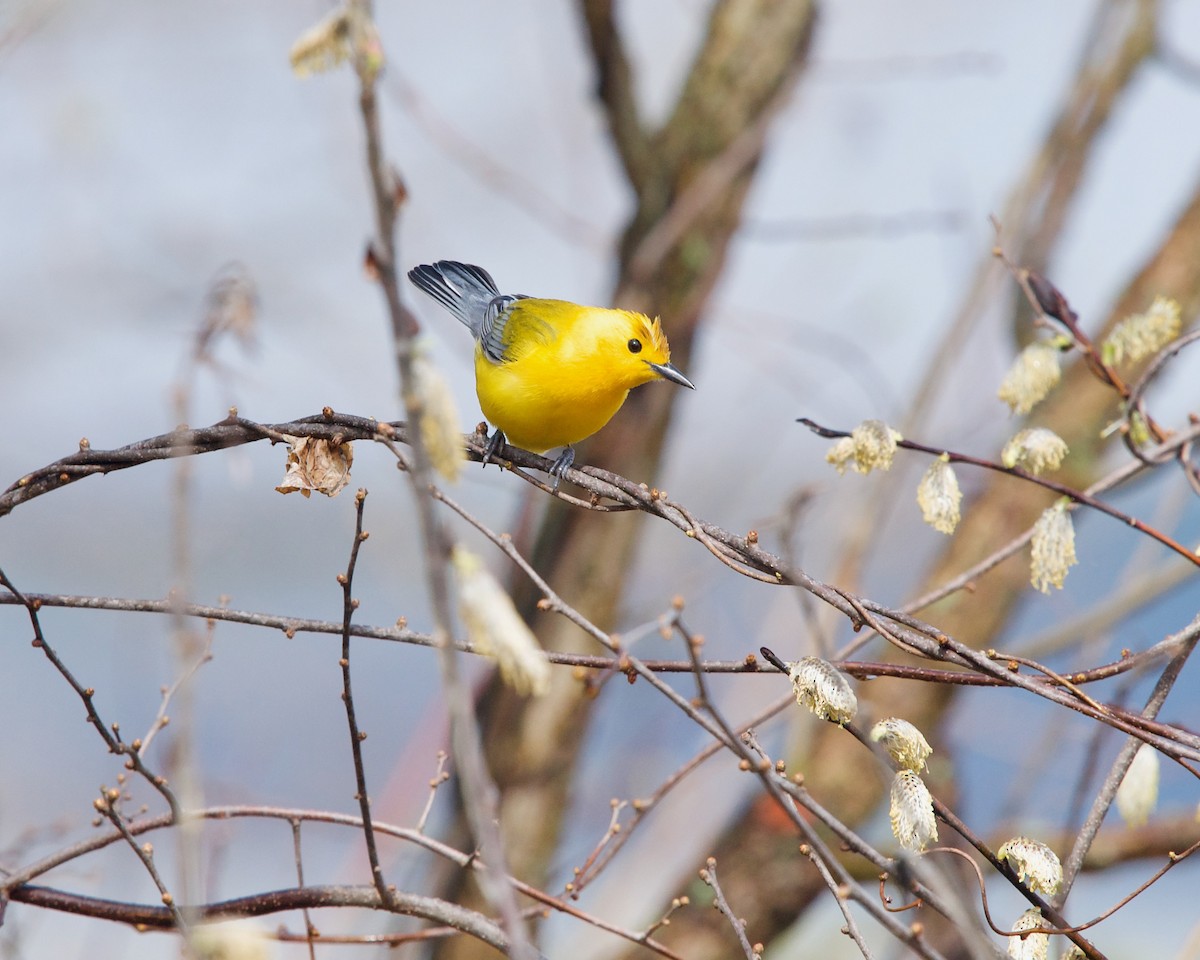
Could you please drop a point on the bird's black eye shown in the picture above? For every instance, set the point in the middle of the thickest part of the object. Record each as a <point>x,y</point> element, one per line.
<point>635,345</point>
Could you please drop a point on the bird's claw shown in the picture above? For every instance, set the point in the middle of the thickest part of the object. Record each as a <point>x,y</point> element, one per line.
<point>560,466</point>
<point>557,469</point>
<point>495,442</point>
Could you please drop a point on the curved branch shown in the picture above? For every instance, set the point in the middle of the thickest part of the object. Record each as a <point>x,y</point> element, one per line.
<point>233,431</point>
<point>264,904</point>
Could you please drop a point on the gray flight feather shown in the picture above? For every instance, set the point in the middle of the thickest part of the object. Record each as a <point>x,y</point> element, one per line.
<point>470,293</point>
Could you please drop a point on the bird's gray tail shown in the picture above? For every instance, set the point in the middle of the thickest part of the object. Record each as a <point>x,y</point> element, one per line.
<point>462,288</point>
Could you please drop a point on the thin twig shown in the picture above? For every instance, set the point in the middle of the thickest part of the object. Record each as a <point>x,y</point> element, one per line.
<point>709,876</point>
<point>554,602</point>
<point>440,777</point>
<point>291,626</point>
<point>1186,640</point>
<point>841,894</point>
<point>1078,496</point>
<point>357,736</point>
<point>642,807</point>
<point>614,829</point>
<point>161,718</point>
<point>310,931</point>
<point>107,804</point>
<point>265,903</point>
<point>112,739</point>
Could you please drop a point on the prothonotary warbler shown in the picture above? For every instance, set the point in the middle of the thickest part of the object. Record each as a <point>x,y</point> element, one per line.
<point>548,373</point>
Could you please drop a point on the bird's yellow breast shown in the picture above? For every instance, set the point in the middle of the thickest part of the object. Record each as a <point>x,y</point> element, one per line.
<point>569,370</point>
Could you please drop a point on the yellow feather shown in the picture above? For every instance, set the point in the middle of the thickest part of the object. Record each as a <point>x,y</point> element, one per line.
<point>571,369</point>
<point>565,369</point>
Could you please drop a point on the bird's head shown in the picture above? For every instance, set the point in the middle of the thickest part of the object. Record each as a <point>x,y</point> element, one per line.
<point>642,349</point>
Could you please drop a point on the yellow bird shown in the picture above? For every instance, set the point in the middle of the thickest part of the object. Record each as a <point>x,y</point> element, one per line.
<point>548,373</point>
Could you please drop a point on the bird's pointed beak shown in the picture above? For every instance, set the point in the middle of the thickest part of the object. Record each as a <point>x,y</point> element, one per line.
<point>668,372</point>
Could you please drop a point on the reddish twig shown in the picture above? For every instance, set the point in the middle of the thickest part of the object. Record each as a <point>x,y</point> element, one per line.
<point>1062,489</point>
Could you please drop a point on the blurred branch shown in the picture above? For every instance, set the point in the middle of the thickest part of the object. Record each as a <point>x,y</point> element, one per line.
<point>24,23</point>
<point>1184,67</point>
<point>508,184</point>
<point>1032,216</point>
<point>1119,41</point>
<point>888,69</point>
<point>851,226</point>
<point>161,718</point>
<point>477,790</point>
<point>1136,592</point>
<point>614,88</point>
<point>702,191</point>
<point>1187,640</point>
<point>109,733</point>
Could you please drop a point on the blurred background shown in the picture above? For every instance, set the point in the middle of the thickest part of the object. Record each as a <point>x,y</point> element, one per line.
<point>147,146</point>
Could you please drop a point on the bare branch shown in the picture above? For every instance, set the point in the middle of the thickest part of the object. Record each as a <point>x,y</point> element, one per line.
<point>357,736</point>
<point>265,904</point>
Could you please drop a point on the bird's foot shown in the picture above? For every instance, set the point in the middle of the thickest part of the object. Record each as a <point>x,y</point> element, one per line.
<point>495,442</point>
<point>561,466</point>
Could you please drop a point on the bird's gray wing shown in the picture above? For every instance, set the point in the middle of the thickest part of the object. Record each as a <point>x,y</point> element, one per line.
<point>495,324</point>
<point>462,288</point>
